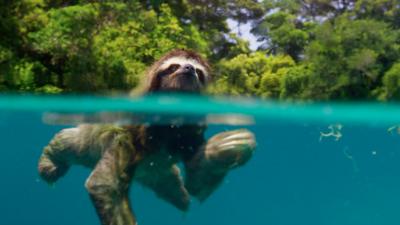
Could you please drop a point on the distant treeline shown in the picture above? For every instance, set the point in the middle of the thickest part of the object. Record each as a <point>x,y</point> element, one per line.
<point>311,49</point>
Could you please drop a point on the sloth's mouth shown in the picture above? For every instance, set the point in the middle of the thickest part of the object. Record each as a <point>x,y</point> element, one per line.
<point>189,74</point>
<point>190,82</point>
<point>182,82</point>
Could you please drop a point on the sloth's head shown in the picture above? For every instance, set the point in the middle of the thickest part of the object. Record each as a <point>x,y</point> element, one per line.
<point>178,71</point>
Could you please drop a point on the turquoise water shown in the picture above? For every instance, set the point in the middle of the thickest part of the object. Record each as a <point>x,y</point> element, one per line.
<point>322,164</point>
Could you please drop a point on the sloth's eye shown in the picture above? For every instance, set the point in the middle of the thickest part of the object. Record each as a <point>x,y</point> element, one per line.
<point>172,68</point>
<point>201,75</point>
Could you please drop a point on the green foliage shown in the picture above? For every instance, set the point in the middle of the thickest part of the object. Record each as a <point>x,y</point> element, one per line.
<point>6,55</point>
<point>255,74</point>
<point>48,89</point>
<point>351,56</point>
<point>391,83</point>
<point>283,34</point>
<point>324,49</point>
<point>128,48</point>
<point>210,18</point>
<point>385,10</point>
<point>103,46</point>
<point>66,31</point>
<point>23,75</point>
<point>295,84</point>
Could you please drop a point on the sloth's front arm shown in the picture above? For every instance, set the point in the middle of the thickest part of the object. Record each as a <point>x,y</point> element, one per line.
<point>222,152</point>
<point>109,151</point>
<point>108,184</point>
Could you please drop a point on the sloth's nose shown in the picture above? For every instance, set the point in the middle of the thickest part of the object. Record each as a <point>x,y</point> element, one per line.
<point>188,68</point>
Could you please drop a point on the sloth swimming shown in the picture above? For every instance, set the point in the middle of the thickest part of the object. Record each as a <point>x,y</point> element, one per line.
<point>149,154</point>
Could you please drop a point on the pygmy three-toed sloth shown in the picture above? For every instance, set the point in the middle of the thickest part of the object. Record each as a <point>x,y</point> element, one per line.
<point>149,154</point>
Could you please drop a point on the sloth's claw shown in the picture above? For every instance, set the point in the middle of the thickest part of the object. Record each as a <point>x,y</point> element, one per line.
<point>230,149</point>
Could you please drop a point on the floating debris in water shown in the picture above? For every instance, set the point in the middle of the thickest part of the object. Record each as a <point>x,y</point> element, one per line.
<point>394,129</point>
<point>350,157</point>
<point>334,131</point>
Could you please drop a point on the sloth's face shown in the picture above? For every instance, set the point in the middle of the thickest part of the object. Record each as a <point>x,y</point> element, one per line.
<point>181,75</point>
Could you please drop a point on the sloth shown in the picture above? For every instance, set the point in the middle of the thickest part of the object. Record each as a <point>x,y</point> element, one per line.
<point>150,154</point>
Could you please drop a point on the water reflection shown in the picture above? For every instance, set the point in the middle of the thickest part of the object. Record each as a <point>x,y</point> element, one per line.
<point>127,118</point>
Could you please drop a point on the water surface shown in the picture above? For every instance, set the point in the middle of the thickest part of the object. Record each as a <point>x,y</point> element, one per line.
<point>319,164</point>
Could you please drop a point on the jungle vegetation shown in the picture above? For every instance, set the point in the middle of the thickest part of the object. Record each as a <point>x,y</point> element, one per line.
<point>309,49</point>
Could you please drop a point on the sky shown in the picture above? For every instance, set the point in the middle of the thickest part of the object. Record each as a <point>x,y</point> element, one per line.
<point>244,32</point>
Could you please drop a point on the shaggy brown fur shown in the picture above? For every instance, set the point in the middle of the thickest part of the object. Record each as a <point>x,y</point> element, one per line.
<point>149,154</point>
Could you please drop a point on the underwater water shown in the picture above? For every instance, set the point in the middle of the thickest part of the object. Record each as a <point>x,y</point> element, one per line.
<point>322,164</point>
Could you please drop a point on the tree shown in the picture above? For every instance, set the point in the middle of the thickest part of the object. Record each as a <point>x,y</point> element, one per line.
<point>91,45</point>
<point>210,17</point>
<point>391,83</point>
<point>383,10</point>
<point>351,56</point>
<point>283,34</point>
<point>253,74</point>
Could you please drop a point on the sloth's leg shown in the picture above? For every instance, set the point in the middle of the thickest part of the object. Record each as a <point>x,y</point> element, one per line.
<point>222,152</point>
<point>167,183</point>
<point>55,159</point>
<point>108,184</point>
